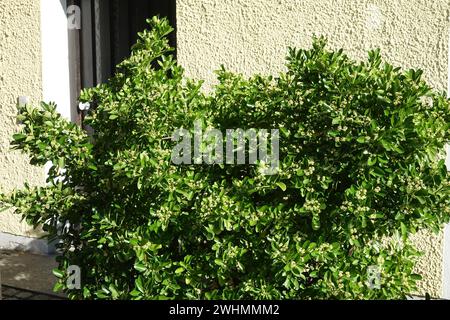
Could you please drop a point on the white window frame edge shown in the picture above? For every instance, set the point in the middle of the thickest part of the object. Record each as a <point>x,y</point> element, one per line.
<point>55,55</point>
<point>55,59</point>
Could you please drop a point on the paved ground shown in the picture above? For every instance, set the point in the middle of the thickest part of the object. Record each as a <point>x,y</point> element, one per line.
<point>12,293</point>
<point>27,276</point>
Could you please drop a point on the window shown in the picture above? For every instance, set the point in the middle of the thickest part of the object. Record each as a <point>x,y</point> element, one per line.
<point>108,30</point>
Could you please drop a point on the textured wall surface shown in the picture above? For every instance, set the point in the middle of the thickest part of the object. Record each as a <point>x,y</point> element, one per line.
<point>252,36</point>
<point>20,75</point>
<point>248,36</point>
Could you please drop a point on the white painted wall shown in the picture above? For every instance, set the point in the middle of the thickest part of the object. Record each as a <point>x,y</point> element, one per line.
<point>55,55</point>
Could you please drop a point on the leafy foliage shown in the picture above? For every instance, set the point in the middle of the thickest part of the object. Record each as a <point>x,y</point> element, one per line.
<point>361,168</point>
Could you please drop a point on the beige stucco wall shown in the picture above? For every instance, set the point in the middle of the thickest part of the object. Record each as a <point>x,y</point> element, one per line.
<point>248,36</point>
<point>20,75</point>
<point>252,36</point>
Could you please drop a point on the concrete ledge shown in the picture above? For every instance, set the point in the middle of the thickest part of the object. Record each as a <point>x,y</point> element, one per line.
<point>33,245</point>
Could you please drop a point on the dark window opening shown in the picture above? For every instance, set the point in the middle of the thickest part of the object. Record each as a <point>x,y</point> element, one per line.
<point>109,28</point>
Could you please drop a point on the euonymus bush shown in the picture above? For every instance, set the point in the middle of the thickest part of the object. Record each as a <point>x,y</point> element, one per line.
<point>361,168</point>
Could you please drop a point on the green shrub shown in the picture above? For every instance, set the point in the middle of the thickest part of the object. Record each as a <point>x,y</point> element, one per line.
<point>361,168</point>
